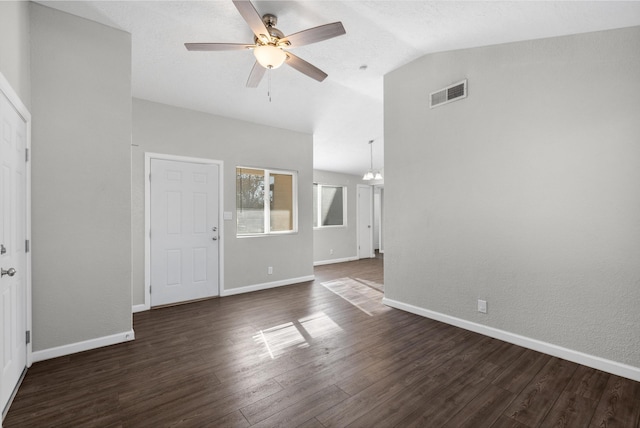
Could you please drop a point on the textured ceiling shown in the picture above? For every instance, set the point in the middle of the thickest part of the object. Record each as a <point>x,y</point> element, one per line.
<point>345,111</point>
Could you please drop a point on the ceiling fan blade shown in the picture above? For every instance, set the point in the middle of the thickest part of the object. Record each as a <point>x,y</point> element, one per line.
<point>253,18</point>
<point>316,34</point>
<point>305,68</point>
<point>217,46</point>
<point>256,75</point>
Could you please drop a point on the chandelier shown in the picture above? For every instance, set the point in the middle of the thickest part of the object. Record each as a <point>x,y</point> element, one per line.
<point>371,174</point>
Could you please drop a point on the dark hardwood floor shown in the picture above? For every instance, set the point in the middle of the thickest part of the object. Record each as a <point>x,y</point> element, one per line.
<point>314,355</point>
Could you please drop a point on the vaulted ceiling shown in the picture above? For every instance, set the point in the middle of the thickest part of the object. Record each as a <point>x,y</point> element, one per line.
<point>346,110</point>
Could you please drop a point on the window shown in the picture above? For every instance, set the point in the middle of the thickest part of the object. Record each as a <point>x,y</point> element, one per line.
<point>329,205</point>
<point>262,210</point>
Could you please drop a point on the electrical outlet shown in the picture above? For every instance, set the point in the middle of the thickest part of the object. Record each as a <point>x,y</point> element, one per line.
<point>331,251</point>
<point>270,270</point>
<point>482,306</point>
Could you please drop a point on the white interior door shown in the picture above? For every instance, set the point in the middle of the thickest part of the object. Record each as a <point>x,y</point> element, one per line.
<point>184,231</point>
<point>13,259</point>
<point>365,222</point>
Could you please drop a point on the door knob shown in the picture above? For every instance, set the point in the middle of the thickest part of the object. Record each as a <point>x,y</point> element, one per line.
<point>215,238</point>
<point>10,272</point>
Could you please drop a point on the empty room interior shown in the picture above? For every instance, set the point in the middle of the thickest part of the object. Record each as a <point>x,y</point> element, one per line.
<point>320,213</point>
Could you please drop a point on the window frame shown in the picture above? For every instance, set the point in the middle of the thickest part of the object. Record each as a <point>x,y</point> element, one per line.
<point>267,205</point>
<point>318,206</point>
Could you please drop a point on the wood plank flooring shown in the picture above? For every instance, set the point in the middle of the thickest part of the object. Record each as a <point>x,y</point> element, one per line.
<point>313,355</point>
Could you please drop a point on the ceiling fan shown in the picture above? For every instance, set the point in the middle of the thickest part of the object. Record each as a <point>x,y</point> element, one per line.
<point>270,43</point>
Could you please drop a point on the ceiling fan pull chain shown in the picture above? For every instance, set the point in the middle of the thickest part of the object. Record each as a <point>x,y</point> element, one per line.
<point>269,88</point>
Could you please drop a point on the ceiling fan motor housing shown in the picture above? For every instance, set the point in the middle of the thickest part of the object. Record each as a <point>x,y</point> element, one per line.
<point>270,22</point>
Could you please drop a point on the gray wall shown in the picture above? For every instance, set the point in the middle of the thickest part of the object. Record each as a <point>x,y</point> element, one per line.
<point>524,194</point>
<point>14,47</point>
<point>160,128</point>
<point>343,240</point>
<point>81,197</point>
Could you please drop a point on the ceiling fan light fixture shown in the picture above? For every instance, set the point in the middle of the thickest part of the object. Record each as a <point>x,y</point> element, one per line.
<point>269,56</point>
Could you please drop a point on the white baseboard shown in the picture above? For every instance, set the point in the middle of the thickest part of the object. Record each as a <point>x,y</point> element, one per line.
<point>599,363</point>
<point>330,262</point>
<point>265,286</point>
<point>246,289</point>
<point>139,308</point>
<point>60,351</point>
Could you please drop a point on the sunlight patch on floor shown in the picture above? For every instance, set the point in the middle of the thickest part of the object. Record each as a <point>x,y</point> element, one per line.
<point>297,334</point>
<point>319,325</point>
<point>280,338</point>
<point>354,291</point>
<point>377,285</point>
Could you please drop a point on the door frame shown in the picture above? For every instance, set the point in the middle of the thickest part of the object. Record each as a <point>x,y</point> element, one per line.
<point>148,156</point>
<point>16,102</point>
<point>380,215</point>
<point>368,189</point>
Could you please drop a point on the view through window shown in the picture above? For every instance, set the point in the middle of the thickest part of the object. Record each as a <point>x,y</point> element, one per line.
<point>329,205</point>
<point>265,201</point>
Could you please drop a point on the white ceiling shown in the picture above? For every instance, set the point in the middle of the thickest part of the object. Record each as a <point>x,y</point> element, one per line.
<point>346,110</point>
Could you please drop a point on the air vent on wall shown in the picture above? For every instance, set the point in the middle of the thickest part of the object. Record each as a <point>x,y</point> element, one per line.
<point>454,92</point>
